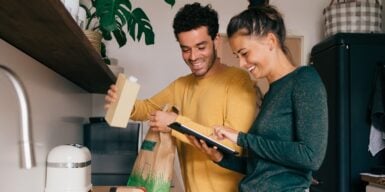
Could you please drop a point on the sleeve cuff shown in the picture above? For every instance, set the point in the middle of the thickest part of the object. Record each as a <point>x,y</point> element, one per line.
<point>240,139</point>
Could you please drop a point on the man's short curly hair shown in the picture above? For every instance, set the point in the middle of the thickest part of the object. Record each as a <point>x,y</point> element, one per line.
<point>193,16</point>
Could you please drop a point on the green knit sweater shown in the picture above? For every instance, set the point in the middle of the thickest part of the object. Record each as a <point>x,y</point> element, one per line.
<point>288,139</point>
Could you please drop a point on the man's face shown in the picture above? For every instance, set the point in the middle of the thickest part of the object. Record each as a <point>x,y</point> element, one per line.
<point>198,50</point>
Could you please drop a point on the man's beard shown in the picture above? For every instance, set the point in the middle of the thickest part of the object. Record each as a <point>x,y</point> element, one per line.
<point>212,59</point>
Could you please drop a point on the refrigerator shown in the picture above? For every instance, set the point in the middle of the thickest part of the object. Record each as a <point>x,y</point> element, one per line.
<point>347,64</point>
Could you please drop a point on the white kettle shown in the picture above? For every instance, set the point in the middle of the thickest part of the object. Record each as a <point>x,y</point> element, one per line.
<point>69,169</point>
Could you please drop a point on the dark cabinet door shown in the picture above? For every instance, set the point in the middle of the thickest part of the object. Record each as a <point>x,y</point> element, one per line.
<point>330,64</point>
<point>113,152</point>
<point>347,65</point>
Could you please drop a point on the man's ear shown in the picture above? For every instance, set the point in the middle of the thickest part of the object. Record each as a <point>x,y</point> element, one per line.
<point>217,42</point>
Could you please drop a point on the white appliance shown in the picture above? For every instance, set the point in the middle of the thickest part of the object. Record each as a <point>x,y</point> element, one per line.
<point>69,169</point>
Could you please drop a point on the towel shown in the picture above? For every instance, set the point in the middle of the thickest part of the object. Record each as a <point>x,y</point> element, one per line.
<point>377,128</point>
<point>376,141</point>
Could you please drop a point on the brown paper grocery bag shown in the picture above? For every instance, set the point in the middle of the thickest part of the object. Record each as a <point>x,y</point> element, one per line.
<point>154,165</point>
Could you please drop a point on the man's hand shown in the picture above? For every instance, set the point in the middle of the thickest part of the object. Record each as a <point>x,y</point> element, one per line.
<point>110,97</point>
<point>159,120</point>
<point>212,153</point>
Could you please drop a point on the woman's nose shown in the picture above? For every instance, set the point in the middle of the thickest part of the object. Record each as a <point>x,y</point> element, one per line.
<point>242,62</point>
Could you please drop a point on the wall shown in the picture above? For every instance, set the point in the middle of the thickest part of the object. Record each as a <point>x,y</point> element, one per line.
<point>58,110</point>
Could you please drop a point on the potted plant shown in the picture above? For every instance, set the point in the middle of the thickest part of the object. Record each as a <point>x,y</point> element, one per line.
<point>110,17</point>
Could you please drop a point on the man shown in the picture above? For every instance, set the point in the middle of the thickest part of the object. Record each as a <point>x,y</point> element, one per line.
<point>213,94</point>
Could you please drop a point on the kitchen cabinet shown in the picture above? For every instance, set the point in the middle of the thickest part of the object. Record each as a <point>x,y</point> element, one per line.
<point>45,30</point>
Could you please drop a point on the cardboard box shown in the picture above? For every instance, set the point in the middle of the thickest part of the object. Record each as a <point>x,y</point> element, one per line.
<point>119,112</point>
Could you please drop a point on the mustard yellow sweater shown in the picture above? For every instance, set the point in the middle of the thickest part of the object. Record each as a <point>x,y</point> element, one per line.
<point>226,98</point>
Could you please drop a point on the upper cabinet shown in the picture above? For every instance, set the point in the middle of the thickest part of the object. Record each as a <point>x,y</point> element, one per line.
<point>45,30</point>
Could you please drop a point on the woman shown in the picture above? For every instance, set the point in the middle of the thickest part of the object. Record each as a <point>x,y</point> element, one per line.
<point>288,139</point>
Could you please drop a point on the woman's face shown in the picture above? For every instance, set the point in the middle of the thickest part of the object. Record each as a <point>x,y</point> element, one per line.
<point>198,50</point>
<point>253,53</point>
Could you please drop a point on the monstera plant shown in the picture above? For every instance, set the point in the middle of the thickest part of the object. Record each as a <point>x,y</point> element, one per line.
<point>113,18</point>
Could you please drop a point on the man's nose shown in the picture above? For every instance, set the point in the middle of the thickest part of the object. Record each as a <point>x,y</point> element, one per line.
<point>193,54</point>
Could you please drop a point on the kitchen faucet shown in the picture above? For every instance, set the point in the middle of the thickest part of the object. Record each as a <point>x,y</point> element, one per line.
<point>27,156</point>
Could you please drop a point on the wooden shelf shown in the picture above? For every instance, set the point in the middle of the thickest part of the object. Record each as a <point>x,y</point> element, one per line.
<point>45,30</point>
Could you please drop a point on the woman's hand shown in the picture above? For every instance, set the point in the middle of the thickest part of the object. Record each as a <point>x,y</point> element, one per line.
<point>159,120</point>
<point>212,153</point>
<point>221,132</point>
<point>111,96</point>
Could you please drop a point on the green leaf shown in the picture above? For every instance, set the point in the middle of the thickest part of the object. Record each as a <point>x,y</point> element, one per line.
<point>122,18</point>
<point>113,15</point>
<point>93,3</point>
<point>131,28</point>
<point>120,37</point>
<point>141,23</point>
<point>105,9</point>
<point>106,35</point>
<point>107,60</point>
<point>130,24</point>
<point>149,37</point>
<point>90,18</point>
<point>126,3</point>
<point>170,2</point>
<point>139,13</point>
<point>88,12</point>
<point>112,18</point>
<point>103,50</point>
<point>103,53</point>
